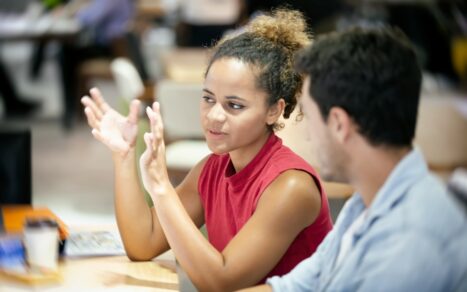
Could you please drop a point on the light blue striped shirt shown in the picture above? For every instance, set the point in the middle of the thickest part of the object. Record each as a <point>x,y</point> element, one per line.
<point>414,238</point>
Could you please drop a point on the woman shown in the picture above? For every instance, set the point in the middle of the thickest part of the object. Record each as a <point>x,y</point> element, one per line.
<point>263,206</point>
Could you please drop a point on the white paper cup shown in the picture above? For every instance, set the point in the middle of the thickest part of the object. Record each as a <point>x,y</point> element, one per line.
<point>40,238</point>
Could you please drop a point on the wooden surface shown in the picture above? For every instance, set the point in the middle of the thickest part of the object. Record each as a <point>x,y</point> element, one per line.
<point>91,273</point>
<point>102,273</point>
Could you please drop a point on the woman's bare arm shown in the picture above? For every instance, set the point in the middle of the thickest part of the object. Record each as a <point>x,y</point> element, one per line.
<point>139,227</point>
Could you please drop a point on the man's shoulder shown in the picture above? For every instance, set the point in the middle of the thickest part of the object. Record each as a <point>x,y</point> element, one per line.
<point>429,210</point>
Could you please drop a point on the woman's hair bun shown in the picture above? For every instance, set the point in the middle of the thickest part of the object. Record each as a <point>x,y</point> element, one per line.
<point>285,27</point>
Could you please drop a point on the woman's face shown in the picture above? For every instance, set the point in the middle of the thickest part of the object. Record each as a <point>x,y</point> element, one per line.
<point>234,112</point>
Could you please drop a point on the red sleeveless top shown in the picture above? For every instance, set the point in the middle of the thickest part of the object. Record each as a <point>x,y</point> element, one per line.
<point>229,199</point>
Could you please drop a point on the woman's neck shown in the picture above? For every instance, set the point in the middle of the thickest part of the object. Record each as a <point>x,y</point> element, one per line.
<point>242,156</point>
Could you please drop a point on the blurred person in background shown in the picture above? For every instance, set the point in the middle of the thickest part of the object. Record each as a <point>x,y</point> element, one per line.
<point>263,206</point>
<point>401,230</point>
<point>14,105</point>
<point>104,23</point>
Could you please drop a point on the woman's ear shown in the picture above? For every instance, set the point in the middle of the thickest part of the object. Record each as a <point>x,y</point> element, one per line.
<point>275,111</point>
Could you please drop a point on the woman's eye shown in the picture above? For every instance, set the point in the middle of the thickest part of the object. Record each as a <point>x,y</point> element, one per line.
<point>235,106</point>
<point>208,99</point>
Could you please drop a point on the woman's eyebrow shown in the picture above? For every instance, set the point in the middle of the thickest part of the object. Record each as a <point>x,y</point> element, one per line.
<point>234,97</point>
<point>229,97</point>
<point>208,91</point>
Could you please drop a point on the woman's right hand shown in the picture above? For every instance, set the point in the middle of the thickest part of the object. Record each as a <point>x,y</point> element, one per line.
<point>110,127</point>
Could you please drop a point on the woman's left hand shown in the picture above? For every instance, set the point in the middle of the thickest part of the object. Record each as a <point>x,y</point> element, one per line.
<point>152,162</point>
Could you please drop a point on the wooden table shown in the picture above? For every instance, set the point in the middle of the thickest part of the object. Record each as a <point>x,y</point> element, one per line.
<point>92,273</point>
<point>103,273</point>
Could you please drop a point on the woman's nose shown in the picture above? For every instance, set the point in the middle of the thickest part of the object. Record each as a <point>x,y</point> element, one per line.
<point>216,114</point>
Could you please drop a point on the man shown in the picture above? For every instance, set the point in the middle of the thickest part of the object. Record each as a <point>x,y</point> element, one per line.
<point>15,106</point>
<point>401,231</point>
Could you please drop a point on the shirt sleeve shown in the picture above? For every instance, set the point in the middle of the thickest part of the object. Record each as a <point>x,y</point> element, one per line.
<point>96,12</point>
<point>305,276</point>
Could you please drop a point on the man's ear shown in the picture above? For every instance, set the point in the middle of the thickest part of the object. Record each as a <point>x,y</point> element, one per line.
<point>275,111</point>
<point>340,124</point>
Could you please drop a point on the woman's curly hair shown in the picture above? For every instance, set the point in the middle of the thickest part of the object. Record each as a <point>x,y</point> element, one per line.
<point>269,44</point>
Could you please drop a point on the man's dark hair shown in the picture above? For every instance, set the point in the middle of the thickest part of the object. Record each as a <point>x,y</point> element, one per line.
<point>373,75</point>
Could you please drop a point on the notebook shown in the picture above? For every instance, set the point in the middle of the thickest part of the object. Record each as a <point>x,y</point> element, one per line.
<point>93,243</point>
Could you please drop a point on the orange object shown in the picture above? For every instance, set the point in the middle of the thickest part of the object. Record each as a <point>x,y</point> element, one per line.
<point>14,217</point>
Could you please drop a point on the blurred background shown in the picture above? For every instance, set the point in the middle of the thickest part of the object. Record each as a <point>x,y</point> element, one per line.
<point>53,51</point>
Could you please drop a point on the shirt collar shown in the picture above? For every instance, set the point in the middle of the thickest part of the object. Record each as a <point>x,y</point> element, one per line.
<point>409,170</point>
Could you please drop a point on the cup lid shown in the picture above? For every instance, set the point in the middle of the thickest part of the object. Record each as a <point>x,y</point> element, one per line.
<point>38,222</point>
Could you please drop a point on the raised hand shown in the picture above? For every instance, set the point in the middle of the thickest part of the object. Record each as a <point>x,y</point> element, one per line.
<point>152,162</point>
<point>108,126</point>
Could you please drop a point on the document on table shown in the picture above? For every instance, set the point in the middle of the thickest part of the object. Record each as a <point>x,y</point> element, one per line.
<point>93,243</point>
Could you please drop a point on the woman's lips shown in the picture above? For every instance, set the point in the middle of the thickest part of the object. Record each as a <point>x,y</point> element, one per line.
<point>215,134</point>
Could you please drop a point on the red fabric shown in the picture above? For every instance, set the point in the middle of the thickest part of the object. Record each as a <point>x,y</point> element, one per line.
<point>230,199</point>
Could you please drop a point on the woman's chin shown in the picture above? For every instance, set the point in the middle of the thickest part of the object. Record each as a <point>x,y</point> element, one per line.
<point>216,149</point>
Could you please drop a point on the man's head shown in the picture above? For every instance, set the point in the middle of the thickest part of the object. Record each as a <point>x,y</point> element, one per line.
<point>367,80</point>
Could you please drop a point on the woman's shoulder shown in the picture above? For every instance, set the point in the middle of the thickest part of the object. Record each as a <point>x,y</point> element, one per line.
<point>296,190</point>
<point>285,158</point>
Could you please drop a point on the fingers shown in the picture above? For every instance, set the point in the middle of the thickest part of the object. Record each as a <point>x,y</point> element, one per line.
<point>95,107</point>
<point>152,124</point>
<point>134,111</point>
<point>98,136</point>
<point>149,146</point>
<point>89,103</point>
<point>91,117</point>
<point>99,100</point>
<point>157,128</point>
<point>155,118</point>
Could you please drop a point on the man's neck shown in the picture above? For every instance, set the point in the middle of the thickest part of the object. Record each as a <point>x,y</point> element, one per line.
<point>372,167</point>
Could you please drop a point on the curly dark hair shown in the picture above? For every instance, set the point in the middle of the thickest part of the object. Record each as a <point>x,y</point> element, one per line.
<point>372,74</point>
<point>269,44</point>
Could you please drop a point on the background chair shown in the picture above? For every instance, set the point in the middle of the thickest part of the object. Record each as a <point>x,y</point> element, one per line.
<point>15,166</point>
<point>183,133</point>
<point>127,79</point>
<point>441,133</point>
